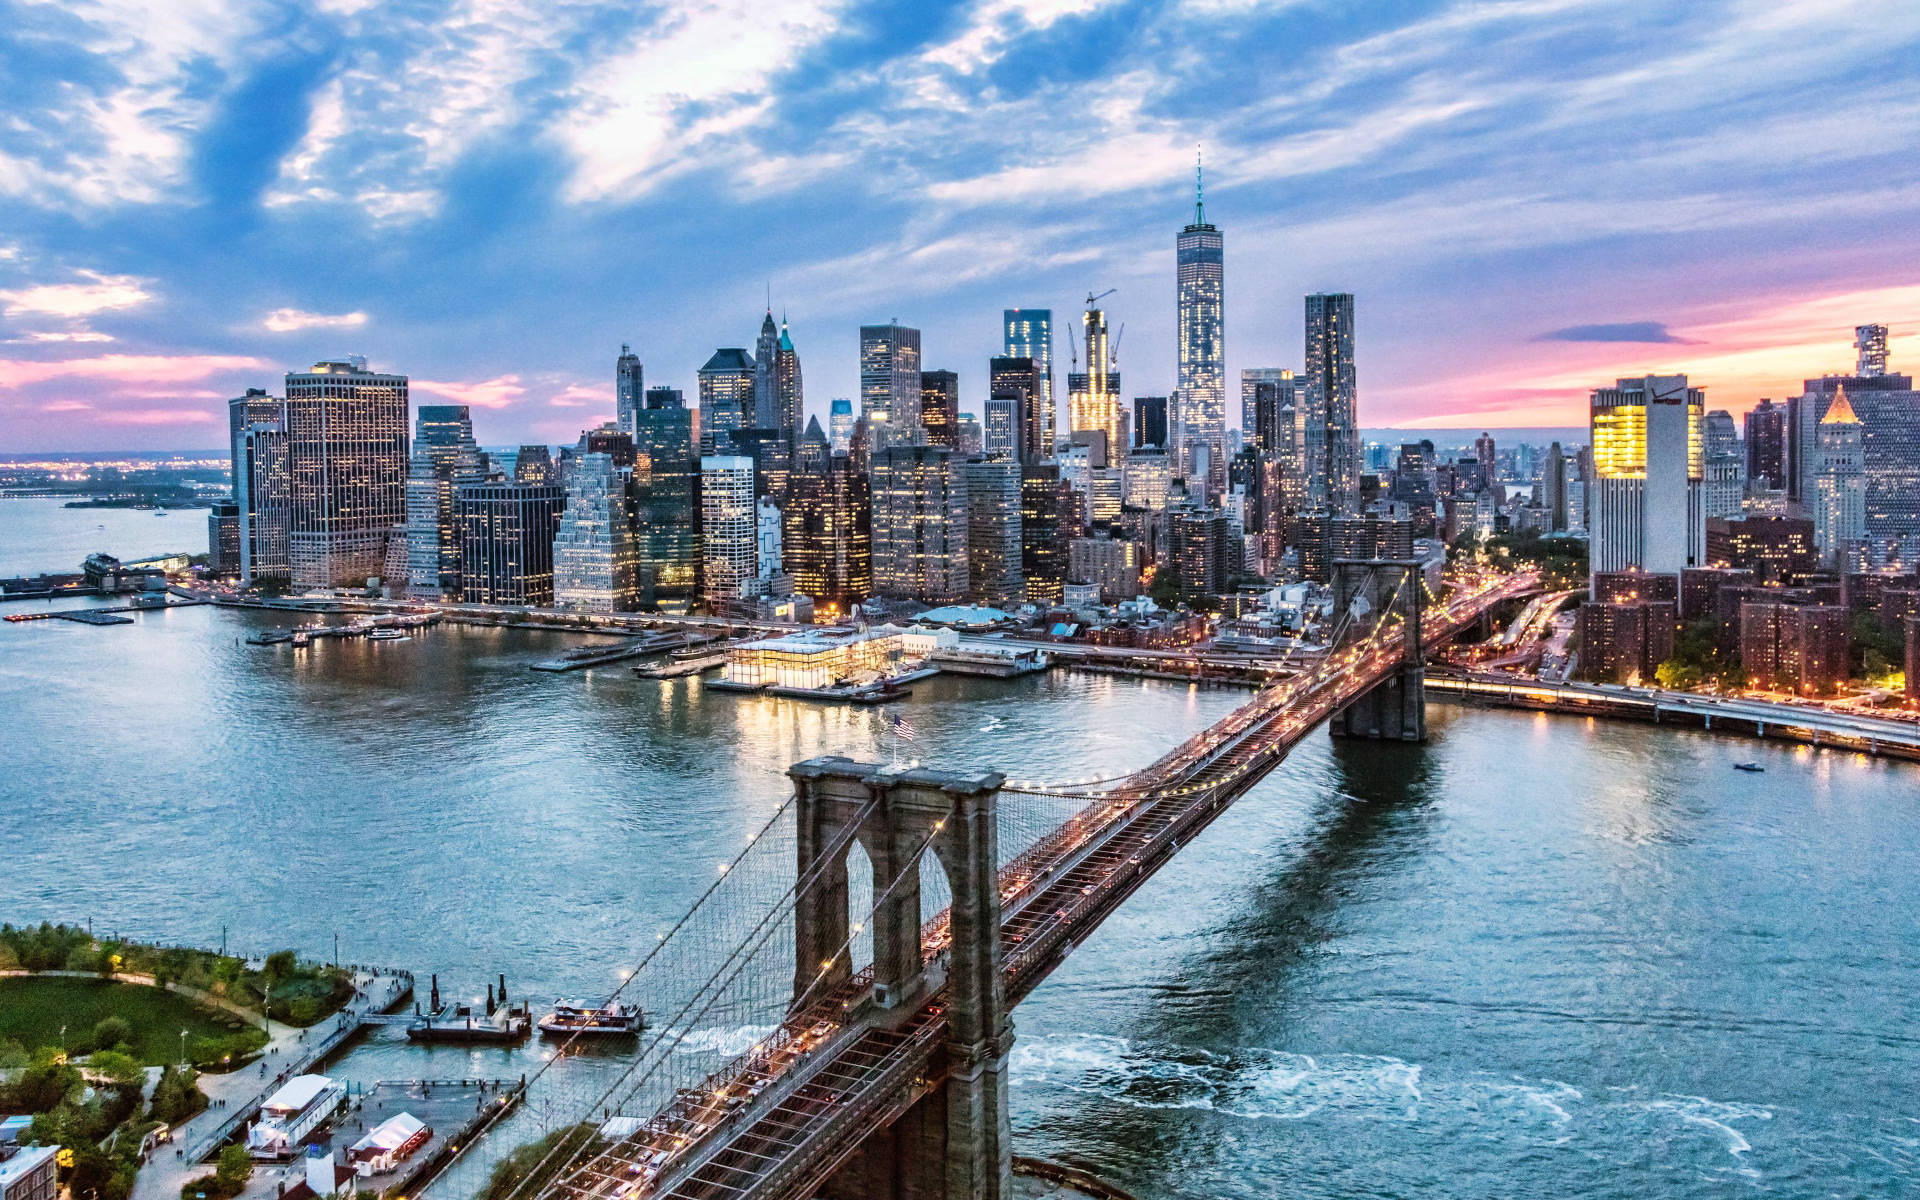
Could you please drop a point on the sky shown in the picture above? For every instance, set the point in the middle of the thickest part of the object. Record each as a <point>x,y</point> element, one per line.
<point>1528,197</point>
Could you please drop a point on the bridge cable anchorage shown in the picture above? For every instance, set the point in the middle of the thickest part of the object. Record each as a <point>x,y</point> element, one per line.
<point>707,1105</point>
<point>653,1056</point>
<point>659,948</point>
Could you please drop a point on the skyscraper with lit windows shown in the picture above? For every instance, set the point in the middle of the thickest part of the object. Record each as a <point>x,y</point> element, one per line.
<point>890,383</point>
<point>1028,333</point>
<point>347,458</point>
<point>1332,433</point>
<point>1200,399</point>
<point>1649,461</point>
<point>444,457</point>
<point>629,388</point>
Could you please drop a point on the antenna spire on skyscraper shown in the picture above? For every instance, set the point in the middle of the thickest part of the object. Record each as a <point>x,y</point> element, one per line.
<point>1199,188</point>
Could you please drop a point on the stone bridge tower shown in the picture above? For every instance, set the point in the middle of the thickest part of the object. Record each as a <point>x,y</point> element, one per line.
<point>1395,710</point>
<point>956,1142</point>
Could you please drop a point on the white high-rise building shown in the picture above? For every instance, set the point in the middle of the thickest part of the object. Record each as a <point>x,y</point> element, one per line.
<point>729,530</point>
<point>1648,504</point>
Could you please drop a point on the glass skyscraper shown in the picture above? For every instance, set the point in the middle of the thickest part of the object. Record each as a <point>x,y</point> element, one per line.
<point>594,562</point>
<point>262,485</point>
<point>1028,333</point>
<point>666,492</point>
<point>1200,397</point>
<point>890,383</point>
<point>628,387</point>
<point>444,457</point>
<point>1332,435</point>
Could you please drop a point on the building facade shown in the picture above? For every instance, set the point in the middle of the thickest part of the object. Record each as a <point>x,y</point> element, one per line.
<point>1028,333</point>
<point>1332,434</point>
<point>595,562</point>
<point>726,396</point>
<point>444,457</point>
<point>262,487</point>
<point>1649,464</point>
<point>940,408</point>
<point>729,532</point>
<point>994,561</point>
<point>1840,485</point>
<point>919,525</point>
<point>1200,340</point>
<point>665,487</point>
<point>1093,398</point>
<point>890,383</point>
<point>629,387</point>
<point>506,535</point>
<point>347,457</point>
<point>827,535</point>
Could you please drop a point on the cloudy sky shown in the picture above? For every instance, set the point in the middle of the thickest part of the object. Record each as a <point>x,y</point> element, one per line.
<point>1527,196</point>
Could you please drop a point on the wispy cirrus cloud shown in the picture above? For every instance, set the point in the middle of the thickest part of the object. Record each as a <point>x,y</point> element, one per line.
<point>294,320</point>
<point>125,368</point>
<point>502,391</point>
<point>92,293</point>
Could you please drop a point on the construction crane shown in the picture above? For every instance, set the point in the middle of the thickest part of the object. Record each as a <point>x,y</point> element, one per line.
<point>1113,350</point>
<point>1091,298</point>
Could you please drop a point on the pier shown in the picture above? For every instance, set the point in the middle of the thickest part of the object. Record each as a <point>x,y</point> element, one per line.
<point>635,645</point>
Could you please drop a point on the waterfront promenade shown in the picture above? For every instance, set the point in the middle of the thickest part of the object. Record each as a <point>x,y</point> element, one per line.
<point>236,1096</point>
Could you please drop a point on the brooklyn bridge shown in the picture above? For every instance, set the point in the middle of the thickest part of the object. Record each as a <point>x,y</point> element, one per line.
<point>833,1016</point>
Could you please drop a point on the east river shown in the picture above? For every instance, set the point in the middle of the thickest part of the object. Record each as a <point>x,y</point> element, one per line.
<point>1537,956</point>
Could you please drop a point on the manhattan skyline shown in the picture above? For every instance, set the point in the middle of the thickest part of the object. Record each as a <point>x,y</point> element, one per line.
<point>187,216</point>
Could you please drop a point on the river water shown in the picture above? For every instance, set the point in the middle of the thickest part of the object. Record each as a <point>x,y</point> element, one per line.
<point>1537,956</point>
<point>40,535</point>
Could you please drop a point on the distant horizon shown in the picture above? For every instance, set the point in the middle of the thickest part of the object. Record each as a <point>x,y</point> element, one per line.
<point>1527,433</point>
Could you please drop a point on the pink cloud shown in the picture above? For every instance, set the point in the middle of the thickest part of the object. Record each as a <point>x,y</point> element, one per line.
<point>579,395</point>
<point>125,368</point>
<point>499,392</point>
<point>158,416</point>
<point>60,406</point>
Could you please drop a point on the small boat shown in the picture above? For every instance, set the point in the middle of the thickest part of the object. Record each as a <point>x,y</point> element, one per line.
<point>615,1018</point>
<point>1754,767</point>
<point>387,635</point>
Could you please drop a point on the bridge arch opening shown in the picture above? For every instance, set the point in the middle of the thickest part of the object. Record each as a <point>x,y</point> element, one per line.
<point>859,907</point>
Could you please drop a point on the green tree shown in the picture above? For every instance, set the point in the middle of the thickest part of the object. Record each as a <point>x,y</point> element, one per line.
<point>1677,675</point>
<point>535,1163</point>
<point>233,1168</point>
<point>111,1032</point>
<point>121,1068</point>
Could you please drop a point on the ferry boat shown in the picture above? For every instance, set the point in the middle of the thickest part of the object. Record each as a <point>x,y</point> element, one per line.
<point>387,635</point>
<point>615,1018</point>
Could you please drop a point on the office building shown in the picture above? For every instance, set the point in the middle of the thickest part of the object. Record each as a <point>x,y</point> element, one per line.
<point>1093,398</point>
<point>629,388</point>
<point>839,424</point>
<point>1200,339</point>
<point>766,350</point>
<point>1840,485</point>
<point>595,561</point>
<point>1888,410</point>
<point>940,408</point>
<point>1028,333</point>
<point>1766,445</point>
<point>772,459</point>
<point>533,465</point>
<point>665,397</point>
<point>1150,422</point>
<point>789,395</point>
<point>826,536</point>
<point>1802,648</point>
<point>1780,551</point>
<point>920,525</point>
<point>726,396</point>
<point>1146,479</point>
<point>1016,384</point>
<point>1332,434</point>
<point>262,487</point>
<point>1625,641</point>
<point>1198,551</point>
<point>347,454</point>
<point>769,555</point>
<point>1487,453</point>
<point>1265,394</point>
<point>972,440</point>
<point>223,538</point>
<point>890,383</point>
<point>665,489</point>
<point>1000,437</point>
<point>1042,549</point>
<point>506,535</point>
<point>1111,564</point>
<point>444,457</point>
<point>1649,461</point>
<point>993,532</point>
<point>729,532</point>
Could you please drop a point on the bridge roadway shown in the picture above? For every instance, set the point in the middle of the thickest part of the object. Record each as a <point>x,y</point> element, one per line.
<point>779,1120</point>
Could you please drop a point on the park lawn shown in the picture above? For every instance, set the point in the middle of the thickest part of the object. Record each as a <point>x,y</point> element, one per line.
<point>33,1008</point>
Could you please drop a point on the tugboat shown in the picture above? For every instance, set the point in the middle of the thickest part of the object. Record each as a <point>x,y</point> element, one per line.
<point>615,1018</point>
<point>1754,767</point>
